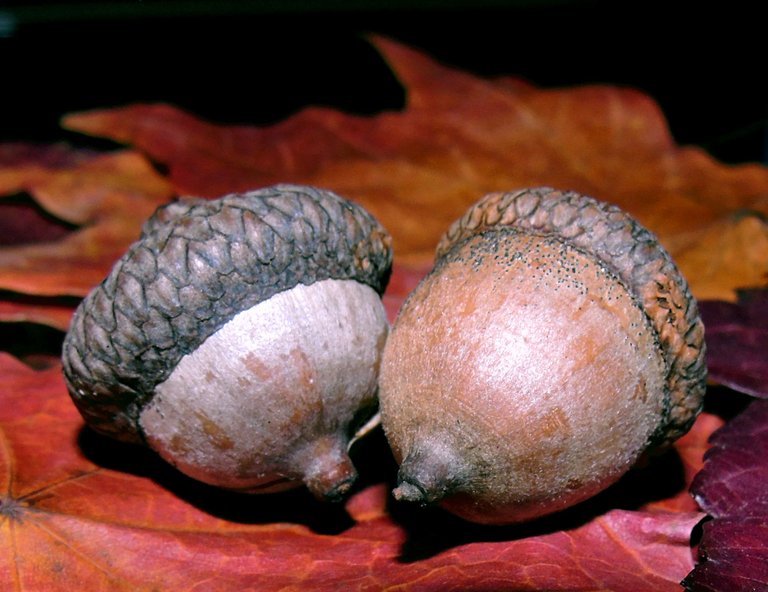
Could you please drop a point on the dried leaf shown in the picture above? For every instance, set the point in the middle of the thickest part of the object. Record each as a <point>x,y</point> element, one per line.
<point>18,155</point>
<point>23,222</point>
<point>101,515</point>
<point>107,197</point>
<point>417,170</point>
<point>734,557</point>
<point>53,313</point>
<point>732,482</point>
<point>462,136</point>
<point>737,342</point>
<point>732,488</point>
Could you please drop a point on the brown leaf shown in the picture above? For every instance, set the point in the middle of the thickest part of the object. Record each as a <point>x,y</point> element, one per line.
<point>460,137</point>
<point>106,197</point>
<point>19,154</point>
<point>730,252</point>
<point>53,313</point>
<point>100,515</point>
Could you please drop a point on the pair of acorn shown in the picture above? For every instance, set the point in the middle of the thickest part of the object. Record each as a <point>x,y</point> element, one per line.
<point>244,340</point>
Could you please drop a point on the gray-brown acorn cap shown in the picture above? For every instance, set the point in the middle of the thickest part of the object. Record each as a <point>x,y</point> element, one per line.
<point>196,265</point>
<point>632,253</point>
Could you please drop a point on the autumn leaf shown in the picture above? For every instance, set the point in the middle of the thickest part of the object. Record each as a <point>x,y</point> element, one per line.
<point>93,209</point>
<point>737,342</point>
<point>108,196</point>
<point>53,312</point>
<point>18,155</point>
<point>461,137</point>
<point>103,515</point>
<point>687,462</point>
<point>115,517</point>
<point>732,489</point>
<point>417,170</point>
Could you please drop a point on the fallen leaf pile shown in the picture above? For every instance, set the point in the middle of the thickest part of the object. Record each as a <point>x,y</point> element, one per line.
<point>732,485</point>
<point>76,509</point>
<point>731,488</point>
<point>79,512</point>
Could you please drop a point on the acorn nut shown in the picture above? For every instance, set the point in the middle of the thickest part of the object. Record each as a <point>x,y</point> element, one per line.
<point>240,338</point>
<point>553,343</point>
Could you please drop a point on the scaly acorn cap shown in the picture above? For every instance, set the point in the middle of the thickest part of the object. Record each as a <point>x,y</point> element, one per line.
<point>629,251</point>
<point>196,265</point>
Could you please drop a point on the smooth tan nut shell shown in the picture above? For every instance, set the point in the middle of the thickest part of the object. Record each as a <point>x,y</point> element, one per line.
<point>274,392</point>
<point>532,368</point>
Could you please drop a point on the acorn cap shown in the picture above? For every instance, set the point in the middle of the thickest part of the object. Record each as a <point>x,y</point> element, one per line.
<point>633,254</point>
<point>197,264</point>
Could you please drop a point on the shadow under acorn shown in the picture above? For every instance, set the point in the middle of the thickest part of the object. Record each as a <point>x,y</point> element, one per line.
<point>36,344</point>
<point>429,530</point>
<point>295,506</point>
<point>432,530</point>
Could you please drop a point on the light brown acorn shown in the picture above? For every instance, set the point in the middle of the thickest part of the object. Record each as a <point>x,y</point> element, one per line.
<point>240,338</point>
<point>554,343</point>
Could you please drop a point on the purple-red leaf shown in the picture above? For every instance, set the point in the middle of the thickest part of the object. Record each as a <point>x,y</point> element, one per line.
<point>733,488</point>
<point>734,480</point>
<point>737,342</point>
<point>735,557</point>
<point>51,156</point>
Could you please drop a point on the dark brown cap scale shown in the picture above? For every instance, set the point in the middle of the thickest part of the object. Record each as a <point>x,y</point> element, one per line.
<point>198,265</point>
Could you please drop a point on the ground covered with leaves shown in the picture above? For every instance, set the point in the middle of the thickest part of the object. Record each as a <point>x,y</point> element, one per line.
<point>77,508</point>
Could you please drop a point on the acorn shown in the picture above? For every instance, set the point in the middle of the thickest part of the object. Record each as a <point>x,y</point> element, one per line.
<point>240,338</point>
<point>552,346</point>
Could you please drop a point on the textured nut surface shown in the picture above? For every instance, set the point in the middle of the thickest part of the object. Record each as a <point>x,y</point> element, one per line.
<point>198,264</point>
<point>551,346</point>
<point>631,252</point>
<point>522,372</point>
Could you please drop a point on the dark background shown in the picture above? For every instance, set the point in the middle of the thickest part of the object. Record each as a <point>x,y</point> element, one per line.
<point>259,61</point>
